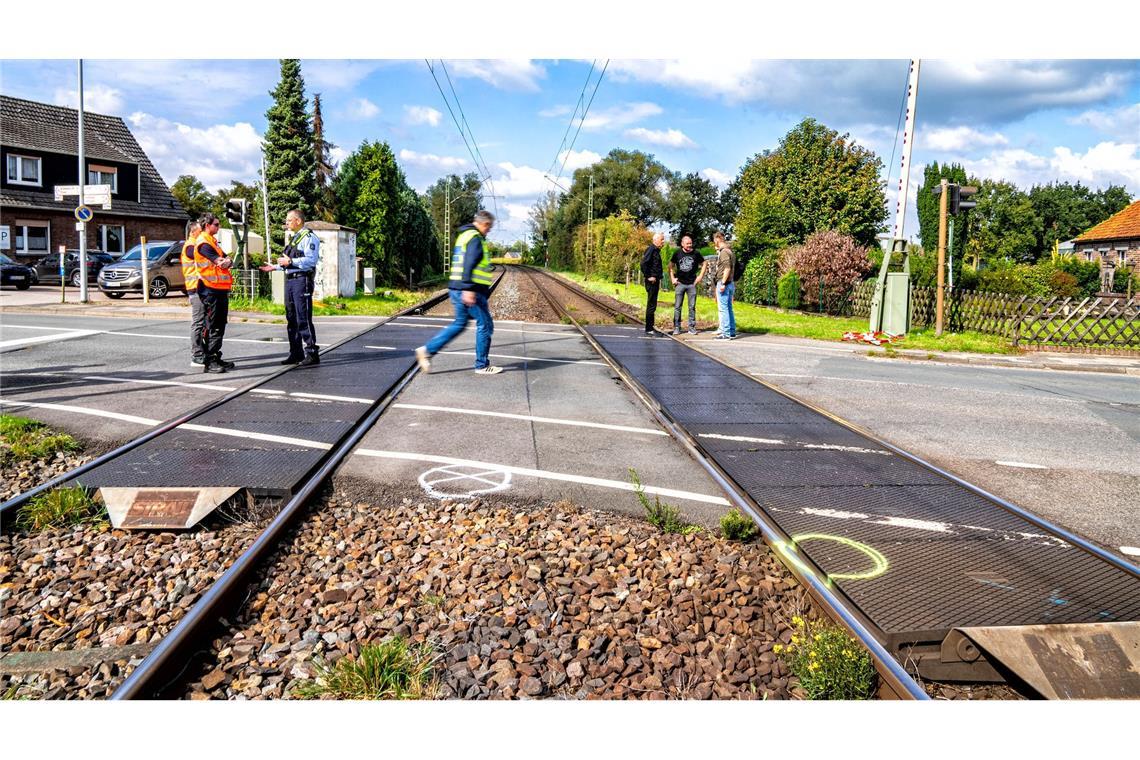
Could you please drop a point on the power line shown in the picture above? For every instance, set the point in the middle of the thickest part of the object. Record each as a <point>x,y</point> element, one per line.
<point>583,120</point>
<point>573,116</point>
<point>478,161</point>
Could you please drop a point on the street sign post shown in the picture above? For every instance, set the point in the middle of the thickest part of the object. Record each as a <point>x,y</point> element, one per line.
<point>93,194</point>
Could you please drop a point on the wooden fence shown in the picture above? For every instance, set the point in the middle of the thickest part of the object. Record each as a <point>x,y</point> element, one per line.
<point>1026,320</point>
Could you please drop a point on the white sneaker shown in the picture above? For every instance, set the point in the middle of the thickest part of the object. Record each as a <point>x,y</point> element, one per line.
<point>489,370</point>
<point>423,359</point>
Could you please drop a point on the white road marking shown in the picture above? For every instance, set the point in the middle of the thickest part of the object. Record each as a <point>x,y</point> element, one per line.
<point>325,397</point>
<point>778,442</point>
<point>544,474</point>
<point>498,329</point>
<point>1023,465</point>
<point>48,338</point>
<point>531,418</point>
<point>1131,551</point>
<point>511,356</point>
<point>384,348</point>
<point>83,410</point>
<point>37,327</point>
<point>972,391</point>
<point>257,436</point>
<point>741,438</point>
<point>203,386</point>
<point>269,392</point>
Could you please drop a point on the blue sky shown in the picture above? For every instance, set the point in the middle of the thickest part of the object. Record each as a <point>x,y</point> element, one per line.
<point>1028,121</point>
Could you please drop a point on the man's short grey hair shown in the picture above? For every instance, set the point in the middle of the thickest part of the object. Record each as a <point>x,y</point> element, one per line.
<point>484,216</point>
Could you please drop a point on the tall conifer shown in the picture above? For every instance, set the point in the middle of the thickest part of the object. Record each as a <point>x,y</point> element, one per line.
<point>290,164</point>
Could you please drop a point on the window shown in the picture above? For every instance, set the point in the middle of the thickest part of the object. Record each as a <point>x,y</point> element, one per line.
<point>23,170</point>
<point>1088,255</point>
<point>111,238</point>
<point>103,175</point>
<point>31,237</point>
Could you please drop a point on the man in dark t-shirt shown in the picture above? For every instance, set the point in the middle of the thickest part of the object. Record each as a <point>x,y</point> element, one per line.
<point>652,274</point>
<point>685,268</point>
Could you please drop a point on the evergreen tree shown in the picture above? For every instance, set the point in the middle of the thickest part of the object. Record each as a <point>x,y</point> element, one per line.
<point>928,204</point>
<point>325,170</point>
<point>369,198</point>
<point>290,164</point>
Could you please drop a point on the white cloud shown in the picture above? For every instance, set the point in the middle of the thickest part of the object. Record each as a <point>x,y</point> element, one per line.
<point>325,75</point>
<point>98,98</point>
<point>422,115</point>
<point>338,154</point>
<point>554,111</point>
<point>959,138</point>
<point>620,116</point>
<point>669,138</point>
<point>505,74</point>
<point>578,159</point>
<point>215,155</point>
<point>520,181</point>
<point>362,108</point>
<point>1122,123</point>
<point>517,213</point>
<point>1104,164</point>
<point>716,177</point>
<point>432,161</point>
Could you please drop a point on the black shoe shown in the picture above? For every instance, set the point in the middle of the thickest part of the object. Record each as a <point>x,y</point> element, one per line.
<point>310,360</point>
<point>292,360</point>
<point>213,367</point>
<point>222,362</point>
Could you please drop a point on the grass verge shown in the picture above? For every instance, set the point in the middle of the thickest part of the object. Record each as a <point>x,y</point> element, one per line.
<point>22,439</point>
<point>392,669</point>
<point>59,508</point>
<point>385,302</point>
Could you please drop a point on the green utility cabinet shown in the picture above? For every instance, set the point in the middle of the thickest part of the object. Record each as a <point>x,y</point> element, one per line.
<point>890,306</point>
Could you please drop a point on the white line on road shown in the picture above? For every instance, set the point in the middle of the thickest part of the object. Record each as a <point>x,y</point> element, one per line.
<point>1131,551</point>
<point>563,334</point>
<point>778,442</point>
<point>531,418</point>
<point>544,474</point>
<point>48,338</point>
<point>203,386</point>
<point>325,397</point>
<point>915,385</point>
<point>511,356</point>
<point>1023,465</point>
<point>83,410</point>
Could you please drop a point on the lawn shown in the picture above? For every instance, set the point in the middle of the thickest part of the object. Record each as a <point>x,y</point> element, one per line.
<point>385,302</point>
<point>764,320</point>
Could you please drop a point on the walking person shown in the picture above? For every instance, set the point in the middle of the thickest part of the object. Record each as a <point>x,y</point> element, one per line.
<point>197,313</point>
<point>725,287</point>
<point>299,260</point>
<point>468,288</point>
<point>214,285</point>
<point>651,271</point>
<point>685,268</point>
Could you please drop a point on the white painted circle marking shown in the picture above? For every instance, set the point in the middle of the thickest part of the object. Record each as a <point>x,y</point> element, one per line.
<point>455,481</point>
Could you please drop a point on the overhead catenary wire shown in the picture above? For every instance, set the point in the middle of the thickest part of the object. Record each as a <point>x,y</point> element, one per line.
<point>476,155</point>
<point>573,116</point>
<point>583,119</point>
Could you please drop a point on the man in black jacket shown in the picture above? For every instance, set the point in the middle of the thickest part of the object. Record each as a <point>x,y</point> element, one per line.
<point>652,274</point>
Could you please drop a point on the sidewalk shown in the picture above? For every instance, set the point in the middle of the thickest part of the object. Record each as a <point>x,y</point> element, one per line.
<point>174,306</point>
<point>1120,365</point>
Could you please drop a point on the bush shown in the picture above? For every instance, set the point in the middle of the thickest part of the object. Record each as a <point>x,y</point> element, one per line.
<point>828,662</point>
<point>664,516</point>
<point>788,290</point>
<point>830,259</point>
<point>1012,279</point>
<point>1087,274</point>
<point>758,283</point>
<point>967,278</point>
<point>1120,281</point>
<point>391,669</point>
<point>737,527</point>
<point>1063,284</point>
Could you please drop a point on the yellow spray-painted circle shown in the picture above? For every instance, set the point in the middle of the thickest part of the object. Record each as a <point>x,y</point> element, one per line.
<point>880,562</point>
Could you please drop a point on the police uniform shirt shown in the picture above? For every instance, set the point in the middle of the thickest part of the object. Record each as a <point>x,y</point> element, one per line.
<point>304,257</point>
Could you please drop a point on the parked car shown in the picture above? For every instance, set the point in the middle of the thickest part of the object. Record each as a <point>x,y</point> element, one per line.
<point>164,269</point>
<point>11,273</point>
<point>47,267</point>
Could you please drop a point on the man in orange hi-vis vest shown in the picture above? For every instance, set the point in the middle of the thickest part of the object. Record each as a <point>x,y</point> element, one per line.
<point>197,313</point>
<point>214,284</point>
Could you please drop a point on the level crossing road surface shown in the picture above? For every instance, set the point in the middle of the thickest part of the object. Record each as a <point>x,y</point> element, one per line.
<point>1065,445</point>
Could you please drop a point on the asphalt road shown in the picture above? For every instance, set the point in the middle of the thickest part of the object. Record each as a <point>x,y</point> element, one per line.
<point>1064,445</point>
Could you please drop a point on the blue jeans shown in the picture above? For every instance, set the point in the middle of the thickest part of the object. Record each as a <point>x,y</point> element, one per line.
<point>484,327</point>
<point>726,315</point>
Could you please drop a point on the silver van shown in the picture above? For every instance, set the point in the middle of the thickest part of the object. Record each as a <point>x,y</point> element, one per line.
<point>164,270</point>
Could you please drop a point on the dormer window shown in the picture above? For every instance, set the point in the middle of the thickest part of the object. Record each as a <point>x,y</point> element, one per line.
<point>24,170</point>
<point>103,175</point>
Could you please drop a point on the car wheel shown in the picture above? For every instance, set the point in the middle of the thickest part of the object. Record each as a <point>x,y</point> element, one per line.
<point>76,279</point>
<point>159,287</point>
<point>23,286</point>
<point>113,295</point>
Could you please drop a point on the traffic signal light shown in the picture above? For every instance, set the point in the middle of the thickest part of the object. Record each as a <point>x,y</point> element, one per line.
<point>958,196</point>
<point>236,210</point>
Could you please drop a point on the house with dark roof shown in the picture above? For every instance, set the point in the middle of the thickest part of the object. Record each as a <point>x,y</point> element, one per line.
<point>39,149</point>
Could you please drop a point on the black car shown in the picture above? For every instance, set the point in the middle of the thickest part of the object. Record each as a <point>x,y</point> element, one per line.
<point>47,268</point>
<point>12,273</point>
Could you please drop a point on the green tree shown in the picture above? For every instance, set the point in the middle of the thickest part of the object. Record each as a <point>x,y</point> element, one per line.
<point>466,194</point>
<point>369,197</point>
<point>539,222</point>
<point>1067,210</point>
<point>192,195</point>
<point>252,195</point>
<point>616,245</point>
<point>694,208</point>
<point>290,163</point>
<point>816,179</point>
<point>1003,228</point>
<point>928,204</point>
<point>325,201</point>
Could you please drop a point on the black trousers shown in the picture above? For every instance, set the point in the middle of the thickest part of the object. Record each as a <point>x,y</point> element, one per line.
<point>299,316</point>
<point>197,326</point>
<point>216,305</point>
<point>651,291</point>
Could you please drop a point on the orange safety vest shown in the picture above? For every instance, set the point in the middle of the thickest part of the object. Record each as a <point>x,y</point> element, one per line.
<point>189,269</point>
<point>210,274</point>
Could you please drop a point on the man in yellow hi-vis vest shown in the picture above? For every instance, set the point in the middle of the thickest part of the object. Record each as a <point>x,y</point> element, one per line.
<point>468,288</point>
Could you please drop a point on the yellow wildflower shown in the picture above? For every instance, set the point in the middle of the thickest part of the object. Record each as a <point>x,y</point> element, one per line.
<point>797,620</point>
<point>813,666</point>
<point>778,648</point>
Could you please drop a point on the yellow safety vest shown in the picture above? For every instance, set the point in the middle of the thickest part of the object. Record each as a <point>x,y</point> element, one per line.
<point>482,273</point>
<point>189,268</point>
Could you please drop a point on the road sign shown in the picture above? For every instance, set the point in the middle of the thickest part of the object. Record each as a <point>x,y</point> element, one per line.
<point>92,194</point>
<point>84,214</point>
<point>5,238</point>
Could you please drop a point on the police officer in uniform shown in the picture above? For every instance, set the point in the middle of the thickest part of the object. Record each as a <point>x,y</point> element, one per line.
<point>197,314</point>
<point>299,261</point>
<point>469,286</point>
<point>214,285</point>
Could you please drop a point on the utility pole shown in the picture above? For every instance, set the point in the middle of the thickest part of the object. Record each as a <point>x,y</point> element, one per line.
<point>82,226</point>
<point>446,223</point>
<point>265,203</point>
<point>943,199</point>
<point>589,222</point>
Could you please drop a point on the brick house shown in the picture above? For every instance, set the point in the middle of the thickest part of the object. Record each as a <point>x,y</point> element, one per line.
<point>1115,242</point>
<point>39,150</point>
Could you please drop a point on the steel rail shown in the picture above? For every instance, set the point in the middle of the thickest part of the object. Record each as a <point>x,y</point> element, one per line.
<point>898,680</point>
<point>17,501</point>
<point>158,673</point>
